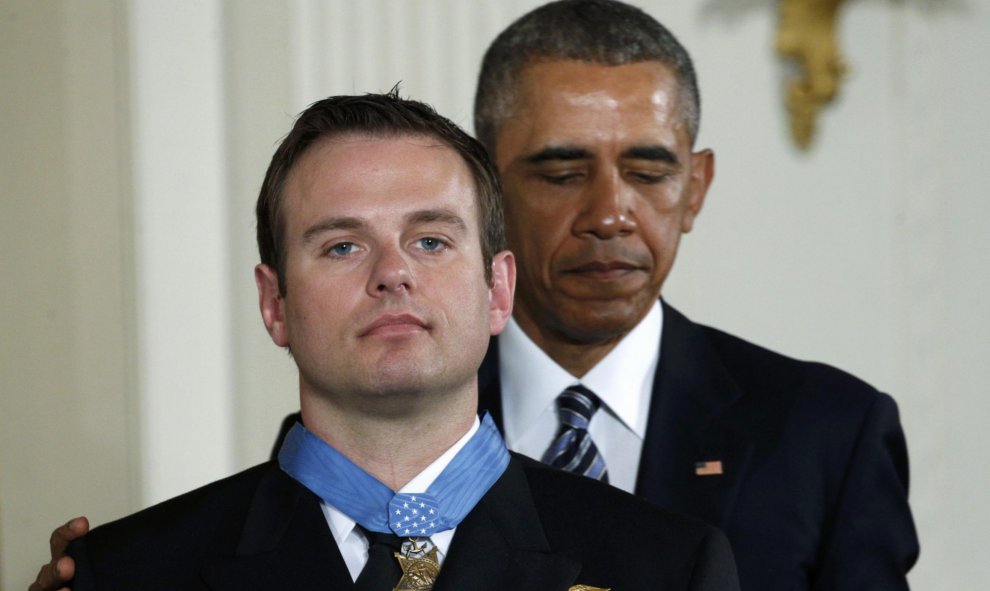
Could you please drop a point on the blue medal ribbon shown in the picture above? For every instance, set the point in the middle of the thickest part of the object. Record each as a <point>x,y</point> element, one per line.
<point>340,482</point>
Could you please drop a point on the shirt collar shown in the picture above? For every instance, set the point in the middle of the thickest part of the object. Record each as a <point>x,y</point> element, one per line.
<point>532,380</point>
<point>341,525</point>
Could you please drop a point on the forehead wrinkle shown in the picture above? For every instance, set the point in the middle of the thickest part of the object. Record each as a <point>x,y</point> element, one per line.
<point>330,224</point>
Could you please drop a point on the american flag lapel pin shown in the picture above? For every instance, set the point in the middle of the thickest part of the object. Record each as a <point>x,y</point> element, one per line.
<point>709,468</point>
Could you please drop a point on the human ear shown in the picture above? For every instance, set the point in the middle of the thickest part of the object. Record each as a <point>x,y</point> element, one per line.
<point>502,289</point>
<point>271,303</point>
<point>702,173</point>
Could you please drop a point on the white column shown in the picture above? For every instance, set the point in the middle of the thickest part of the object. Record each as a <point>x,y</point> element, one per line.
<point>181,217</point>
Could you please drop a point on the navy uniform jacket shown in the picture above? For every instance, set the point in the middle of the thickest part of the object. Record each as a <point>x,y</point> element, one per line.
<point>537,529</point>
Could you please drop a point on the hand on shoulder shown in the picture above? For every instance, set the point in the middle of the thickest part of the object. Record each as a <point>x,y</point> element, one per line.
<point>55,575</point>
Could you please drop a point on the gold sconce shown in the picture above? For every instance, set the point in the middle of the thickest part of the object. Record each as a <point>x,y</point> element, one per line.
<point>806,34</point>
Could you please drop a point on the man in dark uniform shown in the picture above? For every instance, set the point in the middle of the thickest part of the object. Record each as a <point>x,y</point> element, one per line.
<point>383,273</point>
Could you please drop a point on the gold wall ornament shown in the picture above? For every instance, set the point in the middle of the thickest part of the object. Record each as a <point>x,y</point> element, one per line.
<point>806,34</point>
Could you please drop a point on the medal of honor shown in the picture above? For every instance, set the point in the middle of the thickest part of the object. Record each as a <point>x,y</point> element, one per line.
<point>377,509</point>
<point>420,566</point>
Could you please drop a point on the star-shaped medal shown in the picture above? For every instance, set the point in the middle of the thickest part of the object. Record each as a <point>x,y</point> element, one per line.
<point>420,567</point>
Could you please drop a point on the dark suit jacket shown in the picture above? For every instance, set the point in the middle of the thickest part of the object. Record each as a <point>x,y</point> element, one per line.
<point>537,529</point>
<point>814,489</point>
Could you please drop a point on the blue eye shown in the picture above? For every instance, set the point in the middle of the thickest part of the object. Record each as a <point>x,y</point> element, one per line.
<point>342,249</point>
<point>431,244</point>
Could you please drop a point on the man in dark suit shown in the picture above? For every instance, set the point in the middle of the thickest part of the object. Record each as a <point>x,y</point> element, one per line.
<point>590,109</point>
<point>383,273</point>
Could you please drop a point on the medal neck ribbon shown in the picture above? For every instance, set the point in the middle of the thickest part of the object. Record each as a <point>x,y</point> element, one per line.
<point>340,482</point>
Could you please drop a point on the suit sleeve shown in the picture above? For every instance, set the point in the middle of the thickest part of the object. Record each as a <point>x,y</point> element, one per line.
<point>84,579</point>
<point>714,567</point>
<point>873,542</point>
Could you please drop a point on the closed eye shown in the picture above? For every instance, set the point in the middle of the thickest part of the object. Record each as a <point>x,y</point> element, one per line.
<point>650,178</point>
<point>564,178</point>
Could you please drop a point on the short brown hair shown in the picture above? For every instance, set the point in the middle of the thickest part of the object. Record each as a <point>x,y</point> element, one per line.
<point>378,115</point>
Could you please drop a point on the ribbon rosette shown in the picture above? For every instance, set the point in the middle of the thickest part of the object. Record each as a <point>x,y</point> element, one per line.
<point>414,515</point>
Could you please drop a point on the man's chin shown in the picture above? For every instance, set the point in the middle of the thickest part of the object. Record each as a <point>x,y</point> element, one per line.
<point>409,375</point>
<point>397,396</point>
<point>598,322</point>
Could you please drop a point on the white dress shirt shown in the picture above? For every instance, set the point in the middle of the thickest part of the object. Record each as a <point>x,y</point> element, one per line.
<point>353,544</point>
<point>623,380</point>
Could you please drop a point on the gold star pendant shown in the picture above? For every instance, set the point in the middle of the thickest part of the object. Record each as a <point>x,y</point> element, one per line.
<point>419,570</point>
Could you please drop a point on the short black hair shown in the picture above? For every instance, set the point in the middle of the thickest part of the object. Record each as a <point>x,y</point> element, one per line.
<point>597,31</point>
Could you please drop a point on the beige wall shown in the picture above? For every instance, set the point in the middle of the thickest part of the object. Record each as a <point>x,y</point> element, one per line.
<point>67,328</point>
<point>868,252</point>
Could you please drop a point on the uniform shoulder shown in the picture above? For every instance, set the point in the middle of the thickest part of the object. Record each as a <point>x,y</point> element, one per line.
<point>176,526</point>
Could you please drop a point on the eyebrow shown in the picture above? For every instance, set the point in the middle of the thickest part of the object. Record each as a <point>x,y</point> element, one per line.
<point>330,224</point>
<point>423,216</point>
<point>444,216</point>
<point>558,153</point>
<point>656,153</point>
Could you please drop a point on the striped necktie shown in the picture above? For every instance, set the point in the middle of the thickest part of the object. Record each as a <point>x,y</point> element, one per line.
<point>573,450</point>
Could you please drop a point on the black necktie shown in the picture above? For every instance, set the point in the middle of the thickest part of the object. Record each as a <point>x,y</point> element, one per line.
<point>573,450</point>
<point>382,572</point>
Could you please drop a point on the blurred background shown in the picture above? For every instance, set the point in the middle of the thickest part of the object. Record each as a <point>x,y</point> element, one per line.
<point>134,135</point>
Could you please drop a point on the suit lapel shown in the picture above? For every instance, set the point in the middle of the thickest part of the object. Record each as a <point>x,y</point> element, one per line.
<point>501,545</point>
<point>285,543</point>
<point>688,423</point>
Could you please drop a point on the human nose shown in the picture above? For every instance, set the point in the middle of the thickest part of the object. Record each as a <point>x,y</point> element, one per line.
<point>607,210</point>
<point>390,273</point>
